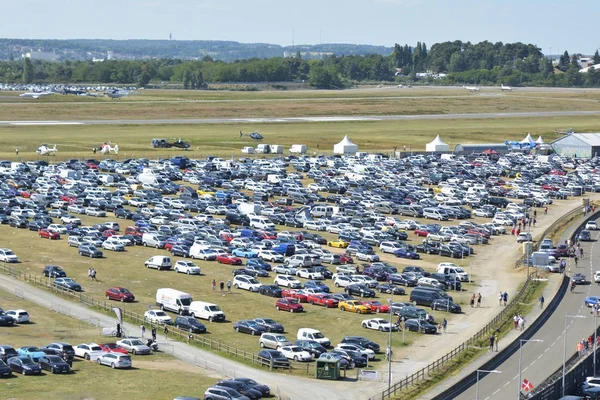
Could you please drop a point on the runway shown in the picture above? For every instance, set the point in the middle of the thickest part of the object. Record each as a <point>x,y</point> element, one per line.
<point>271,120</point>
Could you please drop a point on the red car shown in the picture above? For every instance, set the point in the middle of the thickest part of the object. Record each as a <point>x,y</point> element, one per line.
<point>421,232</point>
<point>113,348</point>
<point>295,294</point>
<point>119,294</point>
<point>108,233</point>
<point>229,259</point>
<point>268,235</point>
<point>287,304</point>
<point>46,234</point>
<point>24,194</point>
<point>346,259</point>
<point>133,230</point>
<point>377,306</point>
<point>548,186</point>
<point>321,299</point>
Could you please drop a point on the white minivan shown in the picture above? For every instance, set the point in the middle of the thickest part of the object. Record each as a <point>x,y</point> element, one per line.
<point>313,334</point>
<point>261,222</point>
<point>159,262</point>
<point>204,310</point>
<point>173,300</point>
<point>453,270</point>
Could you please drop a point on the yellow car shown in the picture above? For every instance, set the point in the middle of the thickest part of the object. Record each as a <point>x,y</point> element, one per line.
<point>354,306</point>
<point>202,192</point>
<point>338,243</point>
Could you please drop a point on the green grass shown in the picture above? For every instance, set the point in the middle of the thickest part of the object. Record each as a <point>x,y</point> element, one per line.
<point>153,377</point>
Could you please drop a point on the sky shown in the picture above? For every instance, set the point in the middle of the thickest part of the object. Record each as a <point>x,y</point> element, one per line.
<point>552,25</point>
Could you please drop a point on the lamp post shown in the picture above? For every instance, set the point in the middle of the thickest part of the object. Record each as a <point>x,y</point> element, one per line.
<point>494,371</point>
<point>389,355</point>
<point>595,338</point>
<point>565,351</point>
<point>520,363</point>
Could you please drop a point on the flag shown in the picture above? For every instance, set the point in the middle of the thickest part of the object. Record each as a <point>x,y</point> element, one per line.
<point>119,313</point>
<point>526,385</point>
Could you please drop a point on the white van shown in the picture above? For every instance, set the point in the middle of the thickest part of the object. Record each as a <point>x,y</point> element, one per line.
<point>260,222</point>
<point>153,240</point>
<point>453,270</point>
<point>435,213</point>
<point>313,334</point>
<point>159,262</point>
<point>322,211</point>
<point>204,310</point>
<point>173,300</point>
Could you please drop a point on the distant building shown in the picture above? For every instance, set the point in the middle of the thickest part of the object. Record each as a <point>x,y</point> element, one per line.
<point>41,55</point>
<point>480,148</point>
<point>584,145</point>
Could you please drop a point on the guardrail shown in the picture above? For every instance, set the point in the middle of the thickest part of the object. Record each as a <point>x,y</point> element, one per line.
<point>485,331</point>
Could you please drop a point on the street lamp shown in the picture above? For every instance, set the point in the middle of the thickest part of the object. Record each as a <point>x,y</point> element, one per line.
<point>390,301</point>
<point>565,351</point>
<point>595,311</point>
<point>494,371</point>
<point>520,363</point>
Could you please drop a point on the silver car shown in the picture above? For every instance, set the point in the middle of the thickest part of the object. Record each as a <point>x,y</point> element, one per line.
<point>223,393</point>
<point>115,360</point>
<point>135,346</point>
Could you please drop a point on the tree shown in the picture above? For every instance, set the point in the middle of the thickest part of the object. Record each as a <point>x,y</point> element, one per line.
<point>27,71</point>
<point>186,79</point>
<point>143,79</point>
<point>596,58</point>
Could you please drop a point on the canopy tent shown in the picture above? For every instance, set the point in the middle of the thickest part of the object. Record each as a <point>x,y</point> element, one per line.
<point>528,139</point>
<point>540,140</point>
<point>345,147</point>
<point>437,145</point>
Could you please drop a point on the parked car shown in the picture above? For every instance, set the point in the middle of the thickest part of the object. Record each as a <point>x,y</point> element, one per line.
<point>24,365</point>
<point>190,324</point>
<point>21,316</point>
<point>7,256</point>
<point>289,304</point>
<point>86,250</point>
<point>134,345</point>
<point>32,352</point>
<point>186,267</point>
<point>270,324</point>
<point>5,370</point>
<point>115,360</point>
<point>54,271</point>
<point>67,283</point>
<point>157,317</point>
<point>379,324</point>
<point>249,326</point>
<point>120,294</point>
<point>88,351</point>
<point>273,357</point>
<point>54,364</point>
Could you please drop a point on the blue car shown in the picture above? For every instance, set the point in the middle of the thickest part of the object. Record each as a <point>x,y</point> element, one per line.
<point>32,352</point>
<point>591,300</point>
<point>246,253</point>
<point>402,252</point>
<point>257,262</point>
<point>318,285</point>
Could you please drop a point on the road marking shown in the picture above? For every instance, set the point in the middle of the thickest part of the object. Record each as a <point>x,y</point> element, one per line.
<point>29,123</point>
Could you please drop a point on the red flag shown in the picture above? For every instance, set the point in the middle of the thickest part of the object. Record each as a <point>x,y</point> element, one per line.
<point>526,385</point>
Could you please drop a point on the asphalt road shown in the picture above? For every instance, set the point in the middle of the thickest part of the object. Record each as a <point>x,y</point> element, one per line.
<point>541,359</point>
<point>197,121</point>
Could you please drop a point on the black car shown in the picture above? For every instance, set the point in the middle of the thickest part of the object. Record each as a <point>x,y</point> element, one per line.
<point>445,305</point>
<point>359,290</point>
<point>270,290</point>
<point>240,387</point>
<point>412,268</point>
<point>449,281</point>
<point>134,239</point>
<point>415,325</point>
<point>314,348</point>
<point>402,279</point>
<point>327,274</point>
<point>7,352</point>
<point>249,326</point>
<point>180,250</point>
<point>54,364</point>
<point>17,222</point>
<point>123,213</point>
<point>390,289</point>
<point>270,325</point>
<point>273,357</point>
<point>314,237</point>
<point>24,365</point>
<point>86,250</point>
<point>264,389</point>
<point>6,320</point>
<point>353,357</point>
<point>5,370</point>
<point>190,324</point>
<point>67,283</point>
<point>447,251</point>
<point>343,296</point>
<point>54,271</point>
<point>361,341</point>
<point>59,349</point>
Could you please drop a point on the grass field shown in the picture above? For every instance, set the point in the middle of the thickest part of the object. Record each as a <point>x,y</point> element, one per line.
<point>155,377</point>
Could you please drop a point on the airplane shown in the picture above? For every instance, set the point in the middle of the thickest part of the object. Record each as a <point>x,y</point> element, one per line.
<point>117,94</point>
<point>34,95</point>
<point>253,135</point>
<point>519,145</point>
<point>107,148</point>
<point>505,88</point>
<point>44,150</point>
<point>471,88</point>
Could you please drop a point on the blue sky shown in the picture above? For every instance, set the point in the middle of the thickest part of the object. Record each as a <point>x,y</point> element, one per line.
<point>550,24</point>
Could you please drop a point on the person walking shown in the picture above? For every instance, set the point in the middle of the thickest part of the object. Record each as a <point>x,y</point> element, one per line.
<point>388,353</point>
<point>473,300</point>
<point>542,301</point>
<point>516,321</point>
<point>444,324</point>
<point>93,274</point>
<point>496,340</point>
<point>546,210</point>
<point>214,285</point>
<point>229,285</point>
<point>500,298</point>
<point>154,334</point>
<point>166,331</point>
<point>505,297</point>
<point>222,286</point>
<point>478,300</point>
<point>143,330</point>
<point>576,258</point>
<point>492,337</point>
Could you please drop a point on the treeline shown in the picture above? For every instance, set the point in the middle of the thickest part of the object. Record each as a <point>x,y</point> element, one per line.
<point>455,62</point>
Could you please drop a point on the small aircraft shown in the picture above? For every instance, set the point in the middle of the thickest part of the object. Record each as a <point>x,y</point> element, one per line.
<point>117,94</point>
<point>519,145</point>
<point>471,88</point>
<point>253,135</point>
<point>35,95</point>
<point>44,150</point>
<point>505,88</point>
<point>107,148</point>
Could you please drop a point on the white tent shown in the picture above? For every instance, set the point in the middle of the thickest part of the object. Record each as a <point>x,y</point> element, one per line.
<point>437,145</point>
<point>528,139</point>
<point>345,147</point>
<point>540,140</point>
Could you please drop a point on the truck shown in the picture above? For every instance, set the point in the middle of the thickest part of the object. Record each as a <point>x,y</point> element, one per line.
<point>173,300</point>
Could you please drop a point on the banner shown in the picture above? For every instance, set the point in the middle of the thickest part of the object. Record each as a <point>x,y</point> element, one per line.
<point>526,385</point>
<point>119,313</point>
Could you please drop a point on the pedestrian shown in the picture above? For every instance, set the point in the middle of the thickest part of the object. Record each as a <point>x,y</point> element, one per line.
<point>505,297</point>
<point>516,321</point>
<point>580,348</point>
<point>93,274</point>
<point>584,211</point>
<point>530,221</point>
<point>496,340</point>
<point>214,285</point>
<point>518,231</point>
<point>154,334</point>
<point>94,150</point>
<point>478,300</point>
<point>522,322</point>
<point>492,337</point>
<point>593,208</point>
<point>542,301</point>
<point>17,151</point>
<point>388,353</point>
<point>143,329</point>
<point>90,273</point>
<point>222,286</point>
<point>118,333</point>
<point>166,331</point>
<point>444,324</point>
<point>472,300</point>
<point>534,213</point>
<point>512,232</point>
<point>534,221</point>
<point>229,285</point>
<point>576,258</point>
<point>545,210</point>
<point>500,298</point>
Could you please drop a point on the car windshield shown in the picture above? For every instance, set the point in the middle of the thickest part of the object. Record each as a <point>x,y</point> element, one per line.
<point>31,348</point>
<point>8,252</point>
<point>214,308</point>
<point>136,342</point>
<point>318,335</point>
<point>96,348</point>
<point>123,290</point>
<point>281,338</point>
<point>253,281</point>
<point>460,270</point>
<point>269,321</point>
<point>252,323</point>
<point>27,361</point>
<point>54,359</point>
<point>160,314</point>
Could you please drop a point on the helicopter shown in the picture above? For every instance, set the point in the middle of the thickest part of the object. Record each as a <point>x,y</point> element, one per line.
<point>253,135</point>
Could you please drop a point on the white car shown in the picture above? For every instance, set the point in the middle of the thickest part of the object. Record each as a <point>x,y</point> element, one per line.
<point>187,267</point>
<point>113,245</point>
<point>354,347</point>
<point>8,256</point>
<point>120,239</point>
<point>21,316</point>
<point>368,256</point>
<point>364,279</point>
<point>115,360</point>
<point>309,274</point>
<point>95,212</point>
<point>270,255</point>
<point>137,202</point>
<point>70,219</point>
<point>284,269</point>
<point>597,277</point>
<point>591,226</point>
<point>58,228</point>
<point>246,282</point>
<point>342,280</point>
<point>295,353</point>
<point>389,247</point>
<point>158,317</point>
<point>379,324</point>
<point>315,226</point>
<point>287,281</point>
<point>159,220</point>
<point>89,351</point>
